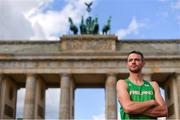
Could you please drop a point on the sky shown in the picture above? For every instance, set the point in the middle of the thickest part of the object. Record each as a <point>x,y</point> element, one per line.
<point>48,20</point>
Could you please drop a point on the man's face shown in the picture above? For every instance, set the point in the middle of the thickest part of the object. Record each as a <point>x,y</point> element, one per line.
<point>135,63</point>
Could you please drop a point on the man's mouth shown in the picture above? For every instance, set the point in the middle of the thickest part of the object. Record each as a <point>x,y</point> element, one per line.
<point>133,66</point>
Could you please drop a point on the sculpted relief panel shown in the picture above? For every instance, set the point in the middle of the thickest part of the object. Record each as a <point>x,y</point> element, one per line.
<point>88,45</point>
<point>88,42</point>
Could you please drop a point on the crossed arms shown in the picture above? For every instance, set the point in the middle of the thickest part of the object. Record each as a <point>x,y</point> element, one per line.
<point>153,108</point>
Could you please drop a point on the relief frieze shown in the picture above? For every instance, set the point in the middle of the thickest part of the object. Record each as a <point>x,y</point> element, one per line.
<point>88,45</point>
<point>88,42</point>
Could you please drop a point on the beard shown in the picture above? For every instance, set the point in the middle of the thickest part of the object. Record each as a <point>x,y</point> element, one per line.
<point>137,69</point>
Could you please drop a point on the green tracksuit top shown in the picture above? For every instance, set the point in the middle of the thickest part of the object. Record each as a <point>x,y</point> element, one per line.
<point>141,93</point>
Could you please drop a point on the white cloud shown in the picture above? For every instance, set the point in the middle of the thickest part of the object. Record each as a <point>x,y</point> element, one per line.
<point>132,29</point>
<point>13,23</point>
<point>25,20</point>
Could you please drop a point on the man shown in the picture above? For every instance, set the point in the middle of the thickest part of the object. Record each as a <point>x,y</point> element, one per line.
<point>139,99</point>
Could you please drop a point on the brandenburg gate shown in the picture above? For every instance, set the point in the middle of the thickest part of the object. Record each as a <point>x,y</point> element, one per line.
<point>81,61</point>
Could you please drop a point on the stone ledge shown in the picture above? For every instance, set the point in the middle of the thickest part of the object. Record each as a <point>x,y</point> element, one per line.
<point>108,55</point>
<point>88,37</point>
<point>149,41</point>
<point>12,42</point>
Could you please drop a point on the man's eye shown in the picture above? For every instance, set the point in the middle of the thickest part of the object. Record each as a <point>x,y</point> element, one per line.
<point>130,60</point>
<point>137,59</point>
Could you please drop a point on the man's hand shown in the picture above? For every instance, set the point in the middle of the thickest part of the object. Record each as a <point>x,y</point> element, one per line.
<point>160,110</point>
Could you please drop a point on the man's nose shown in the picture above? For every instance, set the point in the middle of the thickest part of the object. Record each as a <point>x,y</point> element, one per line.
<point>133,61</point>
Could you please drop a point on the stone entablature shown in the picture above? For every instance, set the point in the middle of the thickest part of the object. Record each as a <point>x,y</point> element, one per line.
<point>27,47</point>
<point>151,47</point>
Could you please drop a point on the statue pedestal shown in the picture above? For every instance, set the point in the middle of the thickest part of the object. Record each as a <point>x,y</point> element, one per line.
<point>88,42</point>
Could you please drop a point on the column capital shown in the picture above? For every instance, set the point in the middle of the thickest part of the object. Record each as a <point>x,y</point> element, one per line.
<point>65,74</point>
<point>2,76</point>
<point>173,75</point>
<point>31,75</point>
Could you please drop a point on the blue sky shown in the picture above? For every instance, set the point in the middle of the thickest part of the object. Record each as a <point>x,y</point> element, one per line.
<point>48,20</point>
<point>131,19</point>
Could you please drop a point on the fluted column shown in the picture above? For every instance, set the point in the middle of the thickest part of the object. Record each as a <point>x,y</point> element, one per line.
<point>40,99</point>
<point>8,98</point>
<point>65,96</point>
<point>171,87</point>
<point>111,99</point>
<point>0,95</point>
<point>177,93</point>
<point>29,104</point>
<point>72,95</point>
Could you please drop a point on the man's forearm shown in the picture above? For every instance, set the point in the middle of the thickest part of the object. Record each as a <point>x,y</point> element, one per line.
<point>157,111</point>
<point>139,107</point>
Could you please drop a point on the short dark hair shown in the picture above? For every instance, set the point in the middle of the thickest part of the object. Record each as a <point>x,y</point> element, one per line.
<point>137,52</point>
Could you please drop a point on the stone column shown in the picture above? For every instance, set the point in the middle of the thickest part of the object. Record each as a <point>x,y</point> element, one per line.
<point>0,95</point>
<point>8,98</point>
<point>111,99</point>
<point>177,84</point>
<point>72,95</point>
<point>40,99</point>
<point>29,104</point>
<point>171,87</point>
<point>65,96</point>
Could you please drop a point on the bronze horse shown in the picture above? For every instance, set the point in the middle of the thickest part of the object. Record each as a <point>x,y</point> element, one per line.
<point>73,27</point>
<point>107,26</point>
